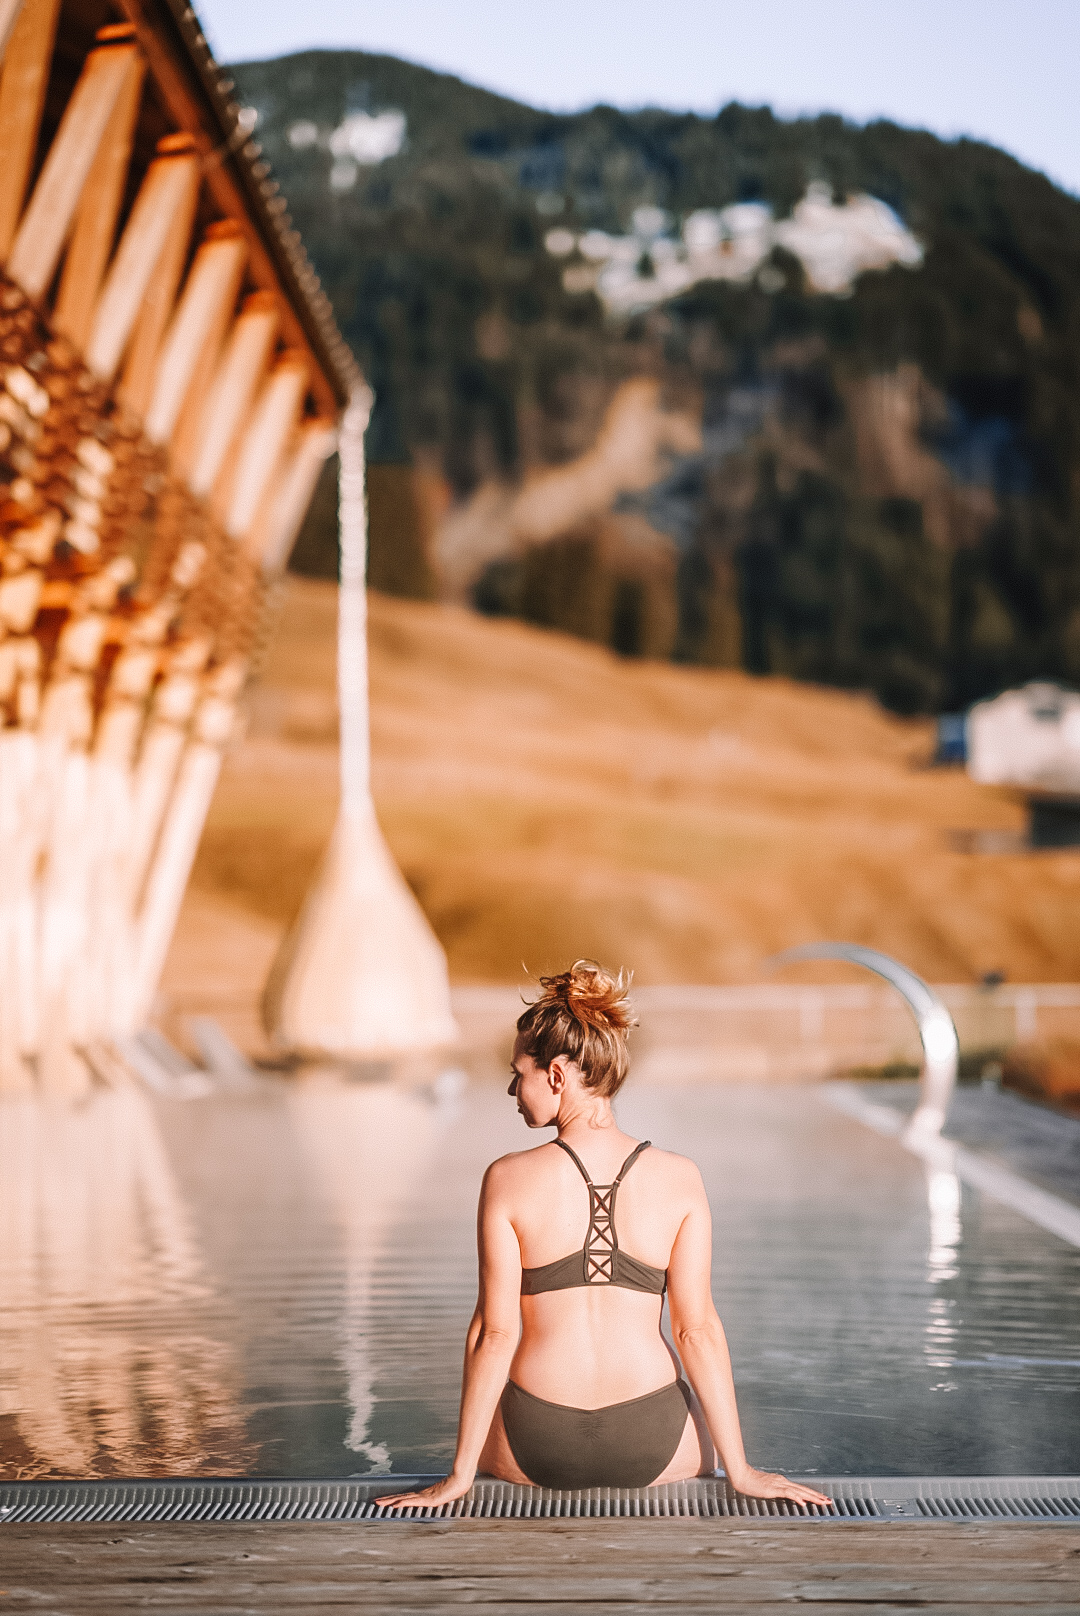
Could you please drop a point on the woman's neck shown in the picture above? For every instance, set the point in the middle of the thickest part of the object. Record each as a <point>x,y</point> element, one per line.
<point>580,1113</point>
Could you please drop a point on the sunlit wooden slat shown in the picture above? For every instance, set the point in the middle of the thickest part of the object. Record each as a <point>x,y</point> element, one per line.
<point>286,501</point>
<point>174,853</point>
<point>265,441</point>
<point>189,425</point>
<point>169,181</point>
<point>22,96</point>
<point>159,758</point>
<point>99,208</point>
<point>136,385</point>
<point>48,218</point>
<point>246,356</point>
<point>190,350</point>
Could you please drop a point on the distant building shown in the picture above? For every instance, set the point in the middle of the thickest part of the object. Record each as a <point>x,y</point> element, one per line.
<point>1028,737</point>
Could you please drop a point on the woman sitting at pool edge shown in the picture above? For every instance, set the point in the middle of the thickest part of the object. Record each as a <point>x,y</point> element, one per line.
<point>568,1380</point>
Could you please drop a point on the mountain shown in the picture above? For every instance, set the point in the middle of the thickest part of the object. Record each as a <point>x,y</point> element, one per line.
<point>875,486</point>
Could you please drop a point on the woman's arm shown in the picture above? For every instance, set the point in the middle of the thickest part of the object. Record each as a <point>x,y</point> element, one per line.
<point>490,1344</point>
<point>701,1344</point>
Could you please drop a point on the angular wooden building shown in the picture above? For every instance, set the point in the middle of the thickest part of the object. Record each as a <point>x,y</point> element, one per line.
<point>171,381</point>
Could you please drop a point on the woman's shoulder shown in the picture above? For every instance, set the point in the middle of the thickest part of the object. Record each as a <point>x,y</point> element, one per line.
<point>677,1172</point>
<point>516,1167</point>
<point>670,1160</point>
<point>519,1163</point>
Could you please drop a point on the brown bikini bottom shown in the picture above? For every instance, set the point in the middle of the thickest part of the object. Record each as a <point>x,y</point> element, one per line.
<point>623,1445</point>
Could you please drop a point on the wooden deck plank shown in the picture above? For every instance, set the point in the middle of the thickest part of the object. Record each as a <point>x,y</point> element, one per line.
<point>573,1567</point>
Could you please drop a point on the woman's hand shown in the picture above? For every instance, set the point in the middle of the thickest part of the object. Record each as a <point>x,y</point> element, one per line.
<point>764,1484</point>
<point>441,1492</point>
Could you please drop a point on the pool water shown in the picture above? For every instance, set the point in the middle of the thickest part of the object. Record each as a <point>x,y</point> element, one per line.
<point>278,1284</point>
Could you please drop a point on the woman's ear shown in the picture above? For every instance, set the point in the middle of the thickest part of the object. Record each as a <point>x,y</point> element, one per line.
<point>556,1075</point>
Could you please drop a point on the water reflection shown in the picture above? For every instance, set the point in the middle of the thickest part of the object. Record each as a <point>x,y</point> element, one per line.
<point>942,1258</point>
<point>92,1232</point>
<point>368,1149</point>
<point>943,1204</point>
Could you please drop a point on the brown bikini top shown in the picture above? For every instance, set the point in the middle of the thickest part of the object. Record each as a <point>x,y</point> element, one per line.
<point>599,1262</point>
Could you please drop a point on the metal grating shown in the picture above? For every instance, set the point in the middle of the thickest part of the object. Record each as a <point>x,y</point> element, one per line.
<point>996,1499</point>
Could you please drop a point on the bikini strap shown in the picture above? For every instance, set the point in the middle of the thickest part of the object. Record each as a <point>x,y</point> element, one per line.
<point>575,1158</point>
<point>601,1242</point>
<point>631,1159</point>
<point>623,1170</point>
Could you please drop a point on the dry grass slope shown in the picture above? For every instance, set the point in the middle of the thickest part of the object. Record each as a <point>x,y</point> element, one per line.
<point>547,799</point>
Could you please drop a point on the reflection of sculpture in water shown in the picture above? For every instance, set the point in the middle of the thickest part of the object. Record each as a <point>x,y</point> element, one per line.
<point>370,1148</point>
<point>101,1369</point>
<point>943,1253</point>
<point>943,1204</point>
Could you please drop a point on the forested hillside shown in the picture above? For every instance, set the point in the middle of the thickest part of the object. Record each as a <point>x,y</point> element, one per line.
<point>879,490</point>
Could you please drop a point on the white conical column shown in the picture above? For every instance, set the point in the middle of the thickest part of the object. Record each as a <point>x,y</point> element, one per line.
<point>362,973</point>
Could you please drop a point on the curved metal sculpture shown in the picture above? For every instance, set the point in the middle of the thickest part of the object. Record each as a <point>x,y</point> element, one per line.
<point>941,1048</point>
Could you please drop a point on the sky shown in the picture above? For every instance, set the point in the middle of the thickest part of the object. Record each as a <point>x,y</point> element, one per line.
<point>1003,72</point>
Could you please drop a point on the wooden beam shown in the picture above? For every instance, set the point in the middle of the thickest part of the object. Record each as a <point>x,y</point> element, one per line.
<point>286,501</point>
<point>181,829</point>
<point>99,209</point>
<point>189,352</point>
<point>189,423</point>
<point>247,354</point>
<point>137,382</point>
<point>47,221</point>
<point>188,112</point>
<point>162,747</point>
<point>169,182</point>
<point>22,95</point>
<point>265,441</point>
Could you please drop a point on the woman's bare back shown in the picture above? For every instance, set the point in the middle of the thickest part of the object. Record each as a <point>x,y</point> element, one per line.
<point>597,1344</point>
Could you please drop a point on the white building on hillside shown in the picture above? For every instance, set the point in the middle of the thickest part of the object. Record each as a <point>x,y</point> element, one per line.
<point>1028,737</point>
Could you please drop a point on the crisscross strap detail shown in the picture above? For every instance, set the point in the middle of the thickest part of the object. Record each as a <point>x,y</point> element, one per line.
<point>601,1242</point>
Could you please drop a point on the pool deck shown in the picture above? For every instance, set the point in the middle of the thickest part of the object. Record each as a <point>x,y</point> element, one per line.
<point>510,1566</point>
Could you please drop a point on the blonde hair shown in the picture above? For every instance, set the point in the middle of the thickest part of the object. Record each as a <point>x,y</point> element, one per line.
<point>585,1014</point>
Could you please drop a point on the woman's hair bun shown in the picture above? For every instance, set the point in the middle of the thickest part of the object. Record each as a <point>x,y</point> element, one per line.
<point>584,1013</point>
<point>592,995</point>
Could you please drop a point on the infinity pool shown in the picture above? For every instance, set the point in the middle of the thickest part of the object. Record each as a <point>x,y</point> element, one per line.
<point>279,1284</point>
